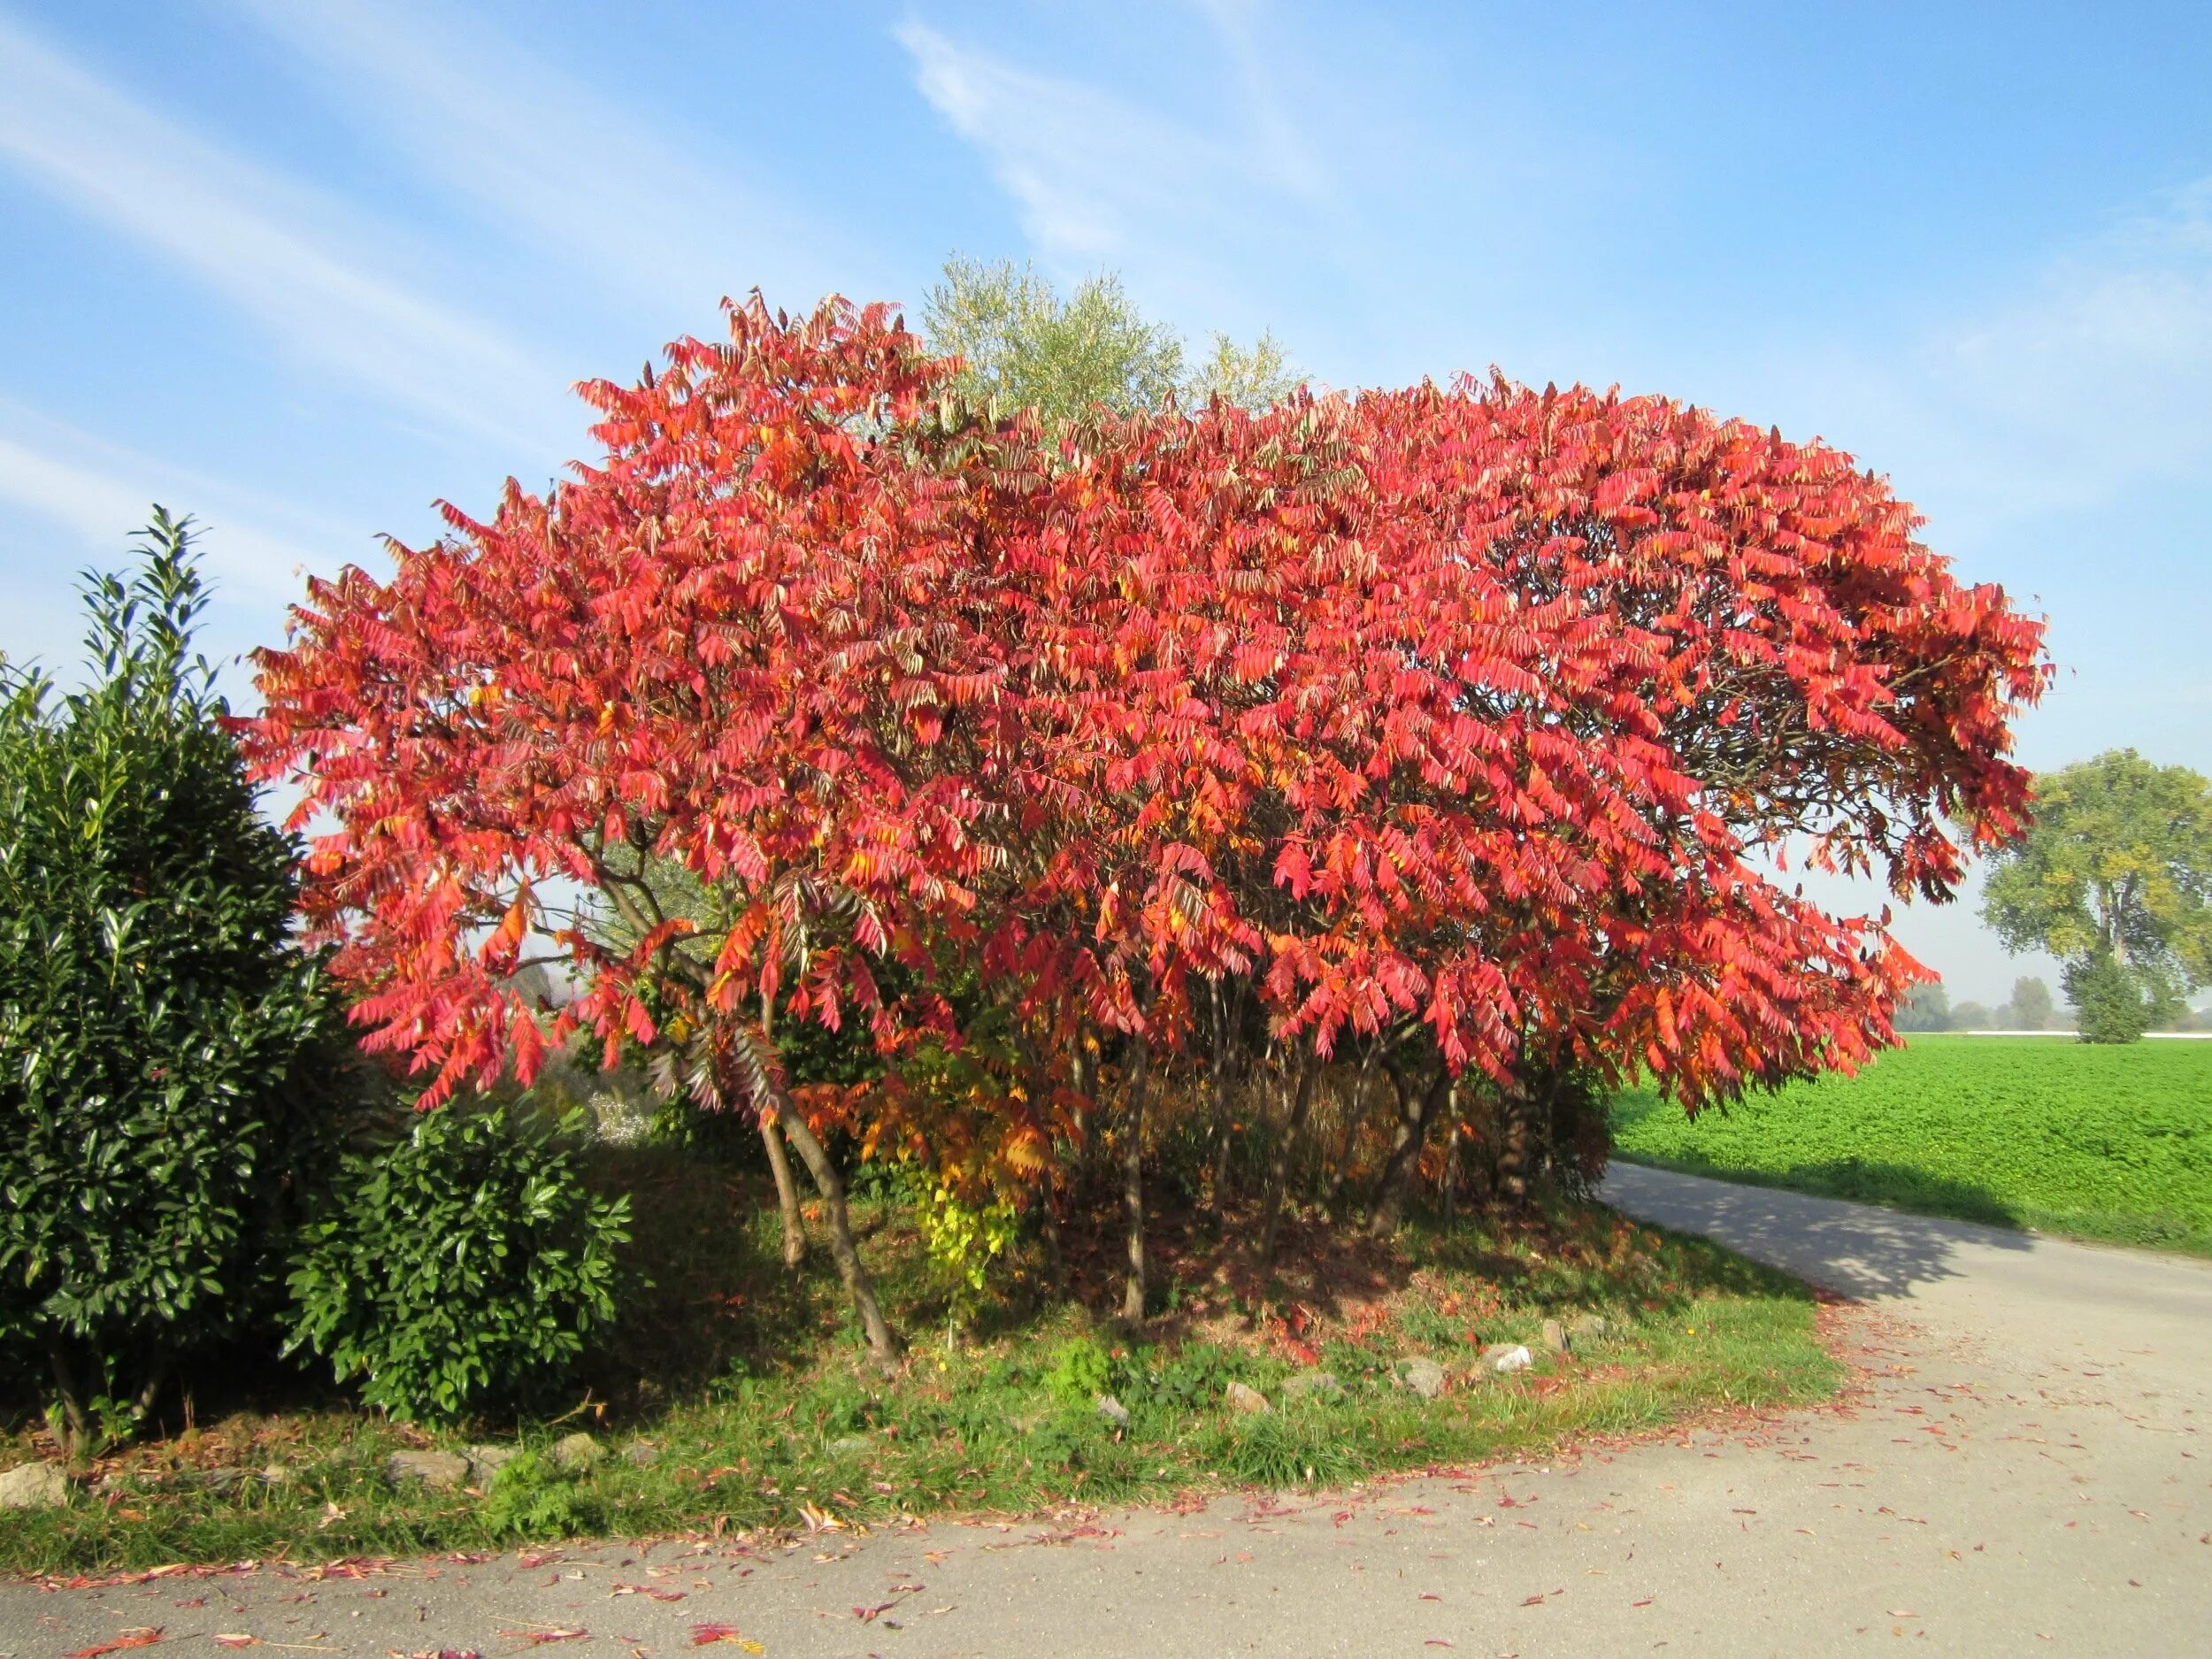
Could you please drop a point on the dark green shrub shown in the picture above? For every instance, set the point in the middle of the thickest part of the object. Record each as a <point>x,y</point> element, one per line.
<point>459,1270</point>
<point>1195,1377</point>
<point>156,1024</point>
<point>2108,1002</point>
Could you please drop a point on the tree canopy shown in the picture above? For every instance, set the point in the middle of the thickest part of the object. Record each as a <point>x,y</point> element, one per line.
<point>1024,343</point>
<point>2115,881</point>
<point>1446,727</point>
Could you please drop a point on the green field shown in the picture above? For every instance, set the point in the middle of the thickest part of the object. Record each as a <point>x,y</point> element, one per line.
<point>2102,1142</point>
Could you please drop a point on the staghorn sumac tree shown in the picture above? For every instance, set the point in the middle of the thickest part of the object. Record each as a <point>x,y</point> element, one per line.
<point>706,651</point>
<point>1445,736</point>
<point>1464,724</point>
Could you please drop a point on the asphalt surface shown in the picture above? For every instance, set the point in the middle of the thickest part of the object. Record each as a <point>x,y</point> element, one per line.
<point>2026,1468</point>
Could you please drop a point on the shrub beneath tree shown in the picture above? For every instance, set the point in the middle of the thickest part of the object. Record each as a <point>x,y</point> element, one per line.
<point>460,1270</point>
<point>2109,1000</point>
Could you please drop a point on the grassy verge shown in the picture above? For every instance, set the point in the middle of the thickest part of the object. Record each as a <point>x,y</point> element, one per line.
<point>2096,1142</point>
<point>742,1384</point>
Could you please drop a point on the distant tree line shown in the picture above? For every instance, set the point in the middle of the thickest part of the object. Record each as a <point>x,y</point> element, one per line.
<point>2029,1008</point>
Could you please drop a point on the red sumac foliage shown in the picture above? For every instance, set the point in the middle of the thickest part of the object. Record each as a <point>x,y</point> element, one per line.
<point>1479,713</point>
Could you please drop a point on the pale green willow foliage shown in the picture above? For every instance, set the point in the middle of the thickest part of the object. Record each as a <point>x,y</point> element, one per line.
<point>1027,345</point>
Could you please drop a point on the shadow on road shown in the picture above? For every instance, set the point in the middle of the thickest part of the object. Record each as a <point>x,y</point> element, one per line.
<point>1857,1249</point>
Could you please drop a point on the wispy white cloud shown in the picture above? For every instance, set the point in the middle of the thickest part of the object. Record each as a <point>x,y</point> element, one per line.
<point>1099,179</point>
<point>2081,377</point>
<point>650,216</point>
<point>290,258</point>
<point>2100,372</point>
<point>1275,139</point>
<point>96,495</point>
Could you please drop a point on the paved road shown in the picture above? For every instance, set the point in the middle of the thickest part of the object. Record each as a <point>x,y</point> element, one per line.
<point>2028,1470</point>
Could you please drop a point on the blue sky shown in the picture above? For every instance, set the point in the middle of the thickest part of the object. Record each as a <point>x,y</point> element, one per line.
<point>304,267</point>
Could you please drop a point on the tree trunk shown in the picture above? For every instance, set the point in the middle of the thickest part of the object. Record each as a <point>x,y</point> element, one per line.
<point>68,1422</point>
<point>1415,1112</point>
<point>1278,1163</point>
<point>1086,1116</point>
<point>1222,1084</point>
<point>1513,1153</point>
<point>883,1346</point>
<point>787,1195</point>
<point>1132,1184</point>
<point>1055,1258</point>
<point>1451,1154</point>
<point>787,1189</point>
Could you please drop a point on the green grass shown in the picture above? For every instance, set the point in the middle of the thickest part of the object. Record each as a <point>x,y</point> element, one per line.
<point>2111,1142</point>
<point>1000,1419</point>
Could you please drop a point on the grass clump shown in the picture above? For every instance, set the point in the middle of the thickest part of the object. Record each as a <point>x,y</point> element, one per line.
<point>2096,1142</point>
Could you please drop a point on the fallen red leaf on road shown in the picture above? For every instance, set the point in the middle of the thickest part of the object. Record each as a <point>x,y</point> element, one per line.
<point>706,1635</point>
<point>141,1637</point>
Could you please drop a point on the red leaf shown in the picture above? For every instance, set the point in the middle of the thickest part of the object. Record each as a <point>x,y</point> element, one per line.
<point>141,1637</point>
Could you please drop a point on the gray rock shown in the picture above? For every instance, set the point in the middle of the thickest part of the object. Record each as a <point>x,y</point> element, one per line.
<point>485,1461</point>
<point>641,1453</point>
<point>1555,1336</point>
<point>1508,1356</point>
<point>1113,1411</point>
<point>1589,1327</point>
<point>574,1454</point>
<point>848,1446</point>
<point>1422,1377</point>
<point>441,1471</point>
<point>1247,1400</point>
<point>1323,1383</point>
<point>33,1486</point>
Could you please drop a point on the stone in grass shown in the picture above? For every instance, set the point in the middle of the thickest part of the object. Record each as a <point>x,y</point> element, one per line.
<point>1589,1327</point>
<point>1555,1336</point>
<point>641,1453</point>
<point>1113,1411</point>
<point>574,1454</point>
<point>1242,1397</point>
<point>1321,1384</point>
<point>485,1461</point>
<point>1422,1377</point>
<point>1507,1356</point>
<point>33,1486</point>
<point>441,1471</point>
